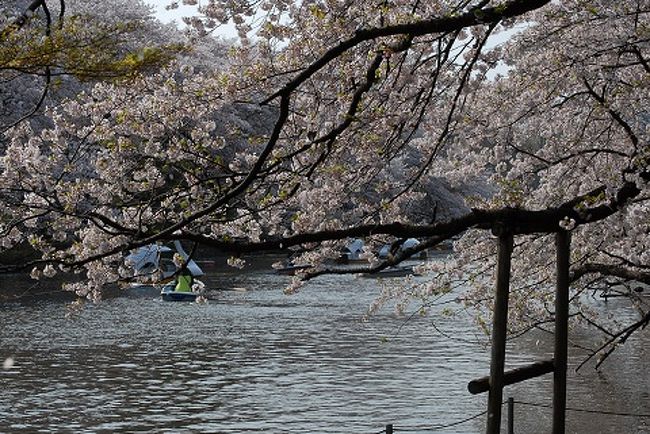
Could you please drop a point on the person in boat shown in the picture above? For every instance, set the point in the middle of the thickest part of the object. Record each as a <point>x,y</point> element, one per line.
<point>184,277</point>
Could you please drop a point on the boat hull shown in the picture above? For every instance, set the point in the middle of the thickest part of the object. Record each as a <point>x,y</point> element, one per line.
<point>393,272</point>
<point>178,296</point>
<point>291,270</point>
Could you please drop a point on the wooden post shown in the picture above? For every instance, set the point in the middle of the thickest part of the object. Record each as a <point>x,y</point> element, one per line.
<point>511,416</point>
<point>562,242</point>
<point>499,329</point>
<point>513,376</point>
<point>389,429</point>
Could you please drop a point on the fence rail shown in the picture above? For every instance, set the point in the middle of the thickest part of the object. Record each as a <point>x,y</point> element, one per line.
<point>588,410</point>
<point>392,428</point>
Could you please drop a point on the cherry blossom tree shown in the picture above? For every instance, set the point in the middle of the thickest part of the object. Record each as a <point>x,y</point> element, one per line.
<point>339,119</point>
<point>48,47</point>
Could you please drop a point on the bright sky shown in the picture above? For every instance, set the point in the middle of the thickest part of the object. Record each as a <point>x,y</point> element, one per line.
<point>176,15</point>
<point>171,15</point>
<point>228,31</point>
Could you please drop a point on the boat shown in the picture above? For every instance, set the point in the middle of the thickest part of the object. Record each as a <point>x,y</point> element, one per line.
<point>168,293</point>
<point>385,251</point>
<point>291,270</point>
<point>352,253</point>
<point>153,264</point>
<point>401,271</point>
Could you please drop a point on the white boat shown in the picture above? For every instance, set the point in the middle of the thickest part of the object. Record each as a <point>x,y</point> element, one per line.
<point>385,252</point>
<point>154,263</point>
<point>399,271</point>
<point>352,252</point>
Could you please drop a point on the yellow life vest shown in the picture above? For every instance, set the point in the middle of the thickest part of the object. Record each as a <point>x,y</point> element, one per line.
<point>184,283</point>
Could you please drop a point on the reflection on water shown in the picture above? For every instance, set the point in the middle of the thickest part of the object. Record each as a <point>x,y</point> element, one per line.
<point>255,360</point>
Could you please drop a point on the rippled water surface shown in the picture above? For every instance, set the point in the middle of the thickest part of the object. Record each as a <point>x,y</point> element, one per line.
<point>256,360</point>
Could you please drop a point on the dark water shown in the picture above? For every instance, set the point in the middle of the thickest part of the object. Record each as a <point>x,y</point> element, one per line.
<point>256,360</point>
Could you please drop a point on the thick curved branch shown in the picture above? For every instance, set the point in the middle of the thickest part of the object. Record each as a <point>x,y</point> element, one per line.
<point>519,221</point>
<point>610,270</point>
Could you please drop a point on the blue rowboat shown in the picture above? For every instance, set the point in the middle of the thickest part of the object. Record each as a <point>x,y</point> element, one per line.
<point>168,294</point>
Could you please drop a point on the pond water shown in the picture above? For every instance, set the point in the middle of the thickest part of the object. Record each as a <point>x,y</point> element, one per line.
<point>256,360</point>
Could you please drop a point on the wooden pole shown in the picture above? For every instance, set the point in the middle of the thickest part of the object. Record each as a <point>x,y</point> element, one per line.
<point>562,242</point>
<point>499,329</point>
<point>513,376</point>
<point>511,416</point>
<point>389,429</point>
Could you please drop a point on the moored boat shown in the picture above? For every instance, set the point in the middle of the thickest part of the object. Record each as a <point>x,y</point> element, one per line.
<point>406,270</point>
<point>168,293</point>
<point>291,270</point>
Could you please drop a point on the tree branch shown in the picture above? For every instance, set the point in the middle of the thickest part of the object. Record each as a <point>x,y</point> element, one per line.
<point>423,27</point>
